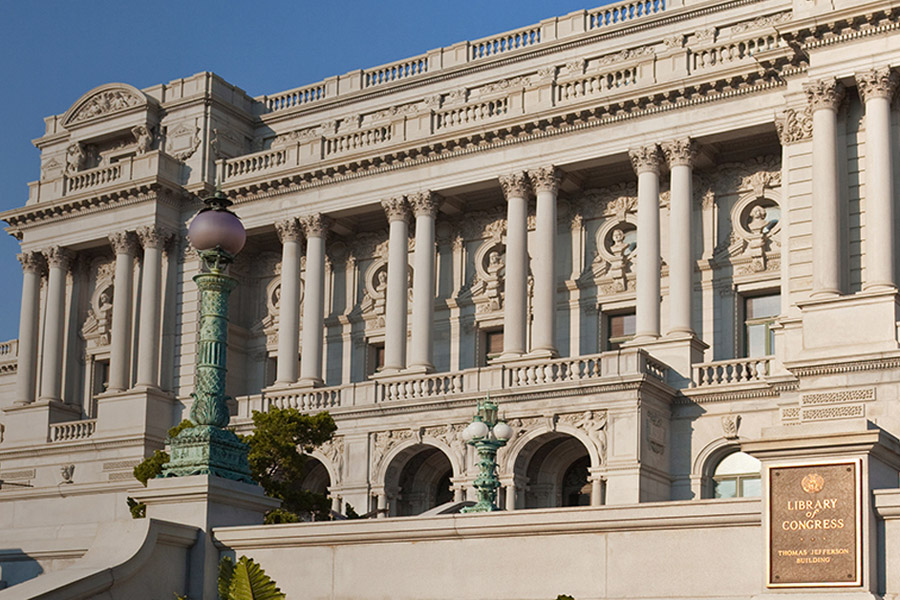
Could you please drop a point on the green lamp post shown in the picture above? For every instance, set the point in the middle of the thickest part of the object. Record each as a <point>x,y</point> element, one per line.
<point>208,448</point>
<point>487,435</point>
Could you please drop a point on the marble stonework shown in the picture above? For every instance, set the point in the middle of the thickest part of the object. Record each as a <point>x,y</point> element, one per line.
<point>482,218</point>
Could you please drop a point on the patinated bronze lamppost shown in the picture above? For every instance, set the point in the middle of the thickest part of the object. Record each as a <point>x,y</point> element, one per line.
<point>487,435</point>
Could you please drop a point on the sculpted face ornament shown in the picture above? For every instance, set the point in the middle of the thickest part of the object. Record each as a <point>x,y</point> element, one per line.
<point>812,483</point>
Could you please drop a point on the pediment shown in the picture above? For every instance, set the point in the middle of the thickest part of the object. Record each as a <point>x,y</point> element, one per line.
<point>104,100</point>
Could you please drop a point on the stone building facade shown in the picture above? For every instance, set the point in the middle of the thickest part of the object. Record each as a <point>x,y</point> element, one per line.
<point>656,233</point>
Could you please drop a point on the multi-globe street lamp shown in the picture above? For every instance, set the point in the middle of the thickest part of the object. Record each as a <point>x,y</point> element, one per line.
<point>486,434</point>
<point>208,448</point>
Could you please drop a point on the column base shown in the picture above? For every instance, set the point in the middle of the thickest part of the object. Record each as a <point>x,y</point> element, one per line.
<point>509,357</point>
<point>311,382</point>
<point>824,294</point>
<point>546,353</point>
<point>420,369</point>
<point>880,286</point>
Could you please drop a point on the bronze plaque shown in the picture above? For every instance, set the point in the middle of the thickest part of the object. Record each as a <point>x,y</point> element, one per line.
<point>814,525</point>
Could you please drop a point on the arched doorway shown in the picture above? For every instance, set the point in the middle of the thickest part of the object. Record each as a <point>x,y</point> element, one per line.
<point>315,478</point>
<point>418,479</point>
<point>554,469</point>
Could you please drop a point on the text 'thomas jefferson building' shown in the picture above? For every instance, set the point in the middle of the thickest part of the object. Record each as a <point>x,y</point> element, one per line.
<point>661,235</point>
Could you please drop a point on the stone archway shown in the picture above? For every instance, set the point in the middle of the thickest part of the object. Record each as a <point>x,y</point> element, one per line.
<point>552,470</point>
<point>316,478</point>
<point>418,479</point>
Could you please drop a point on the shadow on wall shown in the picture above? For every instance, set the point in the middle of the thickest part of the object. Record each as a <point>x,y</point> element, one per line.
<point>16,567</point>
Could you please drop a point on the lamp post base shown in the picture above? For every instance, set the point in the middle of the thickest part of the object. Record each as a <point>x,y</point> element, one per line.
<point>208,450</point>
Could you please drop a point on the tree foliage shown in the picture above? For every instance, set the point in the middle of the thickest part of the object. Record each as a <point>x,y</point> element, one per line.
<point>245,580</point>
<point>278,456</point>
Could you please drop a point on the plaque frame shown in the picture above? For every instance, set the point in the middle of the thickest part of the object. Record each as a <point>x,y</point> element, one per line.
<point>857,462</point>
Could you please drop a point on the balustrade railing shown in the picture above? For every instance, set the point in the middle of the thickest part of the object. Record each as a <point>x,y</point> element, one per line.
<point>9,349</point>
<point>731,372</point>
<point>623,12</point>
<point>72,430</point>
<point>430,386</point>
<point>594,84</point>
<point>358,140</point>
<point>91,178</point>
<point>471,113</point>
<point>295,97</point>
<point>733,51</point>
<point>563,370</point>
<point>256,163</point>
<point>395,71</point>
<point>505,42</point>
<point>303,400</point>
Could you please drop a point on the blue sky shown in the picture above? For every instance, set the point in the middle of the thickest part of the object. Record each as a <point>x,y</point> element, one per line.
<point>51,52</point>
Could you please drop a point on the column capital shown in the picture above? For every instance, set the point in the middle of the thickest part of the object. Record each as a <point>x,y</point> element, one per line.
<point>289,230</point>
<point>424,204</point>
<point>396,209</point>
<point>877,83</point>
<point>315,225</point>
<point>681,152</point>
<point>646,159</point>
<point>824,93</point>
<point>123,242</point>
<point>153,236</point>
<point>32,261</point>
<point>58,257</point>
<point>545,179</point>
<point>515,185</point>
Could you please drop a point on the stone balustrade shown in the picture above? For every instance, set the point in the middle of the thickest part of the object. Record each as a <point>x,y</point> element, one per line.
<point>532,374</point>
<point>72,430</point>
<point>731,372</point>
<point>625,12</point>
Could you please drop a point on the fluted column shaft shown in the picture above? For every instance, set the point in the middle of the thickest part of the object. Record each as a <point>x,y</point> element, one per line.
<point>680,156</point>
<point>515,291</point>
<point>316,228</point>
<point>26,371</point>
<point>546,184</point>
<point>58,261</point>
<point>647,163</point>
<point>287,369</point>
<point>153,239</point>
<point>424,207</point>
<point>397,298</point>
<point>877,87</point>
<point>125,247</point>
<point>825,97</point>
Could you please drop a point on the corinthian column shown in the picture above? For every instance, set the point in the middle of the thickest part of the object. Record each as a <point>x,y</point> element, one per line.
<point>291,235</point>
<point>315,227</point>
<point>26,371</point>
<point>545,182</point>
<point>680,155</point>
<point>424,206</point>
<point>154,239</point>
<point>825,96</point>
<point>876,88</point>
<point>125,247</point>
<point>647,163</point>
<point>515,188</point>
<point>58,261</point>
<point>396,303</point>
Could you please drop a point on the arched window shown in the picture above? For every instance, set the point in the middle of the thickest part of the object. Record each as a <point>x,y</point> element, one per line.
<point>737,476</point>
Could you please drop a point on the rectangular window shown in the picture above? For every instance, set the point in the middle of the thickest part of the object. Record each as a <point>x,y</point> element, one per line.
<point>376,358</point>
<point>491,344</point>
<point>760,313</point>
<point>101,377</point>
<point>620,328</point>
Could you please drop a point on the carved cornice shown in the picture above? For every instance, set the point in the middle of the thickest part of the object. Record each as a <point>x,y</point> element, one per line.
<point>424,204</point>
<point>794,126</point>
<point>515,185</point>
<point>315,225</point>
<point>647,159</point>
<point>123,242</point>
<point>289,230</point>
<point>877,83</point>
<point>680,152</point>
<point>153,236</point>
<point>545,179</point>
<point>396,209</point>
<point>32,261</point>
<point>58,257</point>
<point>824,93</point>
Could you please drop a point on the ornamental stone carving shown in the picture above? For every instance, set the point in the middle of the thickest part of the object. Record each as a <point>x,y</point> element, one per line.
<point>824,94</point>
<point>143,137</point>
<point>107,101</point>
<point>32,261</point>
<point>545,179</point>
<point>730,426</point>
<point>333,449</point>
<point>58,257</point>
<point>424,203</point>
<point>385,441</point>
<point>123,242</point>
<point>396,209</point>
<point>289,230</point>
<point>515,185</point>
<point>76,158</point>
<point>647,159</point>
<point>794,126</point>
<point>315,225</point>
<point>449,434</point>
<point>593,423</point>
<point>680,152</point>
<point>877,83</point>
<point>153,236</point>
